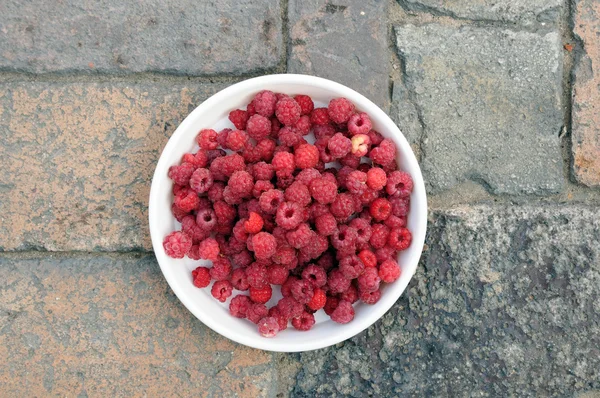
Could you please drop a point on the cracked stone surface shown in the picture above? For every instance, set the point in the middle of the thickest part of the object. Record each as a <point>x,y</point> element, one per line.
<point>504,303</point>
<point>185,37</point>
<point>108,325</point>
<point>490,103</point>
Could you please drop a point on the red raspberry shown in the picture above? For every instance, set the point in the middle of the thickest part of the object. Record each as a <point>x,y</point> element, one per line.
<point>257,275</point>
<point>315,247</point>
<point>236,140</point>
<point>370,297</point>
<point>306,104</point>
<point>239,118</point>
<point>284,255</point>
<point>340,110</point>
<point>225,213</point>
<point>208,249</point>
<point>286,288</point>
<point>337,281</point>
<point>289,215</point>
<point>389,271</point>
<point>195,159</point>
<point>193,253</point>
<point>254,223</point>
<point>376,178</point>
<point>241,184</point>
<point>399,238</point>
<point>215,193</point>
<point>284,164</point>
<point>343,206</point>
<point>266,149</point>
<point>289,137</point>
<point>221,269</point>
<point>368,258</point>
<point>344,237</point>
<point>242,259</point>
<point>262,171</point>
<point>289,307</point>
<point>187,200</point>
<point>363,230</point>
<point>251,153</point>
<point>281,320</point>
<point>264,245</point>
<point>277,274</point>
<point>222,137</point>
<point>331,304</point>
<point>232,163</point>
<point>315,274</point>
<point>320,116</point>
<point>221,290</point>
<point>300,237</point>
<point>181,174</point>
<point>343,313</point>
<point>350,295</point>
<point>270,200</point>
<point>342,176</point>
<point>385,253</point>
<point>325,155</point>
<point>251,109</point>
<point>326,261</point>
<point>264,103</point>
<point>214,153</point>
<point>359,123</point>
<point>360,145</point>
<point>369,280</point>
<point>318,300</point>
<point>385,153</point>
<point>201,277</point>
<point>177,244</point>
<point>324,132</point>
<point>380,209</point>
<point>339,146</point>
<point>317,209</point>
<point>303,125</point>
<point>395,222</point>
<point>375,137</point>
<point>356,182</point>
<point>298,192</point>
<point>260,187</point>
<point>399,184</point>
<point>379,235</point>
<point>306,156</point>
<point>258,127</point>
<point>400,206</point>
<point>261,296</point>
<point>238,307</point>
<point>201,180</point>
<point>268,327</point>
<point>256,312</point>
<point>351,267</point>
<point>239,280</point>
<point>207,139</point>
<point>230,197</point>
<point>326,224</point>
<point>283,182</point>
<point>193,230</point>
<point>239,230</point>
<point>302,290</point>
<point>304,322</point>
<point>323,190</point>
<point>287,111</point>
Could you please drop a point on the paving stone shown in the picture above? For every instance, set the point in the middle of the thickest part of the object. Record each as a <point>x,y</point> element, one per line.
<point>525,12</point>
<point>108,325</point>
<point>345,42</point>
<point>504,303</point>
<point>586,95</point>
<point>77,161</point>
<point>489,101</point>
<point>183,37</point>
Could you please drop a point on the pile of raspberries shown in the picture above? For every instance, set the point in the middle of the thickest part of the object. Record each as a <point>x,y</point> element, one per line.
<point>324,221</point>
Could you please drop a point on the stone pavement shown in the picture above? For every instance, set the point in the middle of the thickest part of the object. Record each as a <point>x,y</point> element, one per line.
<point>499,99</point>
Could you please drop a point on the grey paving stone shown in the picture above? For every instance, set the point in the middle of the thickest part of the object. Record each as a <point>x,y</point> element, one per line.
<point>526,12</point>
<point>183,37</point>
<point>345,42</point>
<point>505,303</point>
<point>490,104</point>
<point>108,325</point>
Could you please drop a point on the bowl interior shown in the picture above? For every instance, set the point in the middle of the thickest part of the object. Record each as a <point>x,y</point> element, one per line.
<point>213,113</point>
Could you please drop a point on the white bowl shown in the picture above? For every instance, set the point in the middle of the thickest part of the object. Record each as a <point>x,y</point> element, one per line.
<point>213,113</point>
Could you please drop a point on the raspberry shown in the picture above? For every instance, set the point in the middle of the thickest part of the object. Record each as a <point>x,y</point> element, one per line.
<point>222,137</point>
<point>302,290</point>
<point>337,281</point>
<point>303,125</point>
<point>287,111</point>
<point>262,171</point>
<point>283,182</point>
<point>257,275</point>
<point>251,153</point>
<point>399,238</point>
<point>264,245</point>
<point>258,127</point>
<point>284,164</point>
<point>385,253</point>
<point>201,277</point>
<point>266,149</point>
<point>260,187</point>
<point>306,104</point>
<point>221,290</point>
<point>208,249</point>
<point>376,178</point>
<point>241,184</point>
<point>215,153</point>
<point>379,235</point>
<point>261,296</point>
<point>400,206</point>
<point>339,146</point>
<point>239,280</point>
<point>340,110</point>
<point>359,123</point>
<point>323,190</point>
<point>389,271</point>
<point>225,213</point>
<point>299,237</point>
<point>270,200</point>
<point>342,176</point>
<point>350,295</point>
<point>324,152</point>
<point>236,140</point>
<point>289,137</point>
<point>238,306</point>
<point>239,230</point>
<point>177,244</point>
<point>221,269</point>
<point>331,304</point>
<point>298,192</point>
<point>193,230</point>
<point>315,274</point>
<point>304,322</point>
<point>326,224</point>
<point>264,103</point>
<point>343,206</point>
<point>344,237</point>
<point>370,297</point>
<point>232,163</point>
<point>231,198</point>
<point>360,145</point>
<point>277,274</point>
<point>380,209</point>
<point>284,255</point>
<point>201,180</point>
<point>375,137</point>
<point>395,222</point>
<point>256,312</point>
<point>320,116</point>
<point>215,193</point>
<point>187,200</point>
<point>385,153</point>
<point>281,320</point>
<point>193,253</point>
<point>343,313</point>
<point>399,184</point>
<point>351,267</point>
<point>356,182</point>
<point>306,156</point>
<point>286,288</point>
<point>254,223</point>
<point>363,230</point>
<point>251,109</point>
<point>289,215</point>
<point>197,160</point>
<point>289,307</point>
<point>181,174</point>
<point>369,280</point>
<point>368,258</point>
<point>323,132</point>
<point>239,118</point>
<point>207,139</point>
<point>318,300</point>
<point>316,210</point>
<point>268,327</point>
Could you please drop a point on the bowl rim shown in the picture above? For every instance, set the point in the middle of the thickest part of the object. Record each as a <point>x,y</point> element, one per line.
<point>376,311</point>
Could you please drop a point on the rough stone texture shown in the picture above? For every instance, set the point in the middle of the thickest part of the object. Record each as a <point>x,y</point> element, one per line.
<point>489,101</point>
<point>505,303</point>
<point>345,42</point>
<point>77,161</point>
<point>110,326</point>
<point>524,12</point>
<point>184,37</point>
<point>586,95</point>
